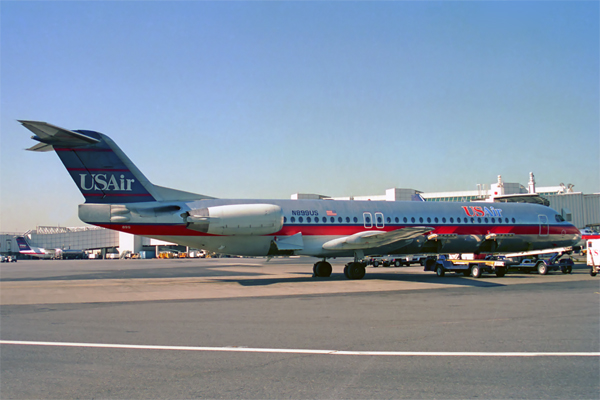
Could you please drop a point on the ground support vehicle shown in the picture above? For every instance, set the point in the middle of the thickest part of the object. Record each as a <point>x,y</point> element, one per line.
<point>593,256</point>
<point>544,265</point>
<point>472,268</point>
<point>390,261</point>
<point>378,261</point>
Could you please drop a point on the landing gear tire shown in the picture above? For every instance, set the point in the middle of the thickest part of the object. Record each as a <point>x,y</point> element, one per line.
<point>322,269</point>
<point>475,271</point>
<point>440,271</point>
<point>354,270</point>
<point>542,269</point>
<point>593,271</point>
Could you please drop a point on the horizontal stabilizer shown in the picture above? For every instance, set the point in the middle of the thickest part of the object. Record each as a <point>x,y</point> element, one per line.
<point>370,239</point>
<point>50,135</point>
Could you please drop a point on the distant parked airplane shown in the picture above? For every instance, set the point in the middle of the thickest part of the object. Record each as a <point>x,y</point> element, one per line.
<point>25,248</point>
<point>118,196</point>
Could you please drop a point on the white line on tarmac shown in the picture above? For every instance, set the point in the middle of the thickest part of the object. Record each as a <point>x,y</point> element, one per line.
<point>305,351</point>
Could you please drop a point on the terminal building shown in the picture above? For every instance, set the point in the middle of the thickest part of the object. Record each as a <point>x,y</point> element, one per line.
<point>582,210</point>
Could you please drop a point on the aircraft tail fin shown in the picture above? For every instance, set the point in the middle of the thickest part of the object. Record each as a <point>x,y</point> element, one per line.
<point>24,247</point>
<point>101,170</point>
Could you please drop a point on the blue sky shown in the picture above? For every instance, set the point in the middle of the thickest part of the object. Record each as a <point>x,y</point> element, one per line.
<point>265,99</point>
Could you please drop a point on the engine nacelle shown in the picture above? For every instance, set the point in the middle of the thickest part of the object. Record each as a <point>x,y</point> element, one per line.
<point>236,219</point>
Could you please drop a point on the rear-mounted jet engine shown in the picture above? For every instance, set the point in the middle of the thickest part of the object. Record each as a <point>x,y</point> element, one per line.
<point>236,219</point>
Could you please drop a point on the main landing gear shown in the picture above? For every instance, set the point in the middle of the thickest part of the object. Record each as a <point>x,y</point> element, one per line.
<point>355,270</point>
<point>352,270</point>
<point>322,269</point>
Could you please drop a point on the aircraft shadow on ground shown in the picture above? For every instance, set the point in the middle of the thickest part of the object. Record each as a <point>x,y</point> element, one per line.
<point>484,281</point>
<point>155,273</point>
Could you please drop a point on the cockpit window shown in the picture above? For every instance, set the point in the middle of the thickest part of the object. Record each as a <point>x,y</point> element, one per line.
<point>559,218</point>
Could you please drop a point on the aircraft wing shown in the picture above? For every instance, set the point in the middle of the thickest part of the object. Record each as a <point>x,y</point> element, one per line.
<point>50,135</point>
<point>369,239</point>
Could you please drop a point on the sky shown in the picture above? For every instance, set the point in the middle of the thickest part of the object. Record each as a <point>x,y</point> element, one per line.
<point>251,99</point>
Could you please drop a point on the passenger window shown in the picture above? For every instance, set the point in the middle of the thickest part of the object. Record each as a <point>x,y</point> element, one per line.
<point>506,220</point>
<point>412,219</point>
<point>493,220</point>
<point>421,219</point>
<point>457,220</point>
<point>293,219</point>
<point>348,219</point>
<point>355,220</point>
<point>514,221</point>
<point>300,219</point>
<point>436,220</point>
<point>479,220</point>
<point>389,220</point>
<point>368,220</point>
<point>406,219</point>
<point>332,219</point>
<point>339,219</point>
<point>284,220</point>
<point>485,220</point>
<point>307,219</point>
<point>397,219</point>
<point>451,220</point>
<point>428,220</point>
<point>316,219</point>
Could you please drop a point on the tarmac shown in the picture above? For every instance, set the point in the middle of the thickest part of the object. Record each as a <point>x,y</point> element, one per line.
<point>252,328</point>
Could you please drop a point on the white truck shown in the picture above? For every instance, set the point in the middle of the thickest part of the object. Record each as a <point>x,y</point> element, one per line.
<point>593,255</point>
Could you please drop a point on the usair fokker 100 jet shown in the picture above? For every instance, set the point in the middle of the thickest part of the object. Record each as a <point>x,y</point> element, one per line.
<point>118,196</point>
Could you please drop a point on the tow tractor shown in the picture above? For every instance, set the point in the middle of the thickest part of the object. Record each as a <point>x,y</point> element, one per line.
<point>542,264</point>
<point>473,267</point>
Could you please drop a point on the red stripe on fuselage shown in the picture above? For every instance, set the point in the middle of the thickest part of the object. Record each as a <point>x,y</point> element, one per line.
<point>345,230</point>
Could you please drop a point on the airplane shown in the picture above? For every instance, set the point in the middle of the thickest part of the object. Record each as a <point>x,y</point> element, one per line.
<point>118,196</point>
<point>25,248</point>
